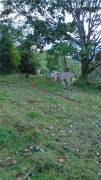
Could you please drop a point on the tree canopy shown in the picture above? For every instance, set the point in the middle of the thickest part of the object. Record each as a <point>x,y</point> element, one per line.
<point>49,20</point>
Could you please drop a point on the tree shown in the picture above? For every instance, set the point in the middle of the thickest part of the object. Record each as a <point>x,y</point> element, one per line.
<point>52,60</point>
<point>83,31</point>
<point>9,56</point>
<point>62,50</point>
<point>27,64</point>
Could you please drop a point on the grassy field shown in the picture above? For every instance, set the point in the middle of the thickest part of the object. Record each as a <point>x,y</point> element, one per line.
<point>47,133</point>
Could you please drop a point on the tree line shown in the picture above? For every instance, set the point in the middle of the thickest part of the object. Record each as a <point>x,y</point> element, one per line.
<point>79,38</point>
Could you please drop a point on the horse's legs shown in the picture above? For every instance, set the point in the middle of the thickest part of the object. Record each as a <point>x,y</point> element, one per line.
<point>69,83</point>
<point>63,83</point>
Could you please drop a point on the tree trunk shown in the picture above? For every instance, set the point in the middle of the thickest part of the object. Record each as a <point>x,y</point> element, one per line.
<point>64,64</point>
<point>84,69</point>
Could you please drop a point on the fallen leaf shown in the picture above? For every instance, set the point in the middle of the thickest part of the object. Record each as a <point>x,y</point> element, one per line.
<point>61,160</point>
<point>34,85</point>
<point>10,161</point>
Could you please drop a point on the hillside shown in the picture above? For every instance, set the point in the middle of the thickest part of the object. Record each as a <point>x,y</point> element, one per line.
<point>47,133</point>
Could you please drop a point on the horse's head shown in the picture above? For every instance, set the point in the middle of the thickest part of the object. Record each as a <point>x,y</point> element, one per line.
<point>54,75</point>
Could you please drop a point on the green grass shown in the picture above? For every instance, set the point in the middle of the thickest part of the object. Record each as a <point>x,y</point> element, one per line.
<point>48,132</point>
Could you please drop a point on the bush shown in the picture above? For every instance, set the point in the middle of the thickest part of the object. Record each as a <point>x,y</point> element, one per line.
<point>26,64</point>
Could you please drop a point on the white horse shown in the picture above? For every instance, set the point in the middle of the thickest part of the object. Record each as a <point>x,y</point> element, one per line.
<point>54,75</point>
<point>63,76</point>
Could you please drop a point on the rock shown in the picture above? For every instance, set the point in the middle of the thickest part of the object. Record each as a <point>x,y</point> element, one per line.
<point>99,174</point>
<point>97,154</point>
<point>37,149</point>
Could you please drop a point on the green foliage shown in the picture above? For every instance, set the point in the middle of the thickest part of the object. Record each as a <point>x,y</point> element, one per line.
<point>35,115</point>
<point>16,57</point>
<point>74,66</point>
<point>40,61</point>
<point>30,59</point>
<point>27,65</point>
<point>63,49</point>
<point>52,62</point>
<point>6,45</point>
<point>53,27</point>
<point>6,135</point>
<point>57,56</point>
<point>9,55</point>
